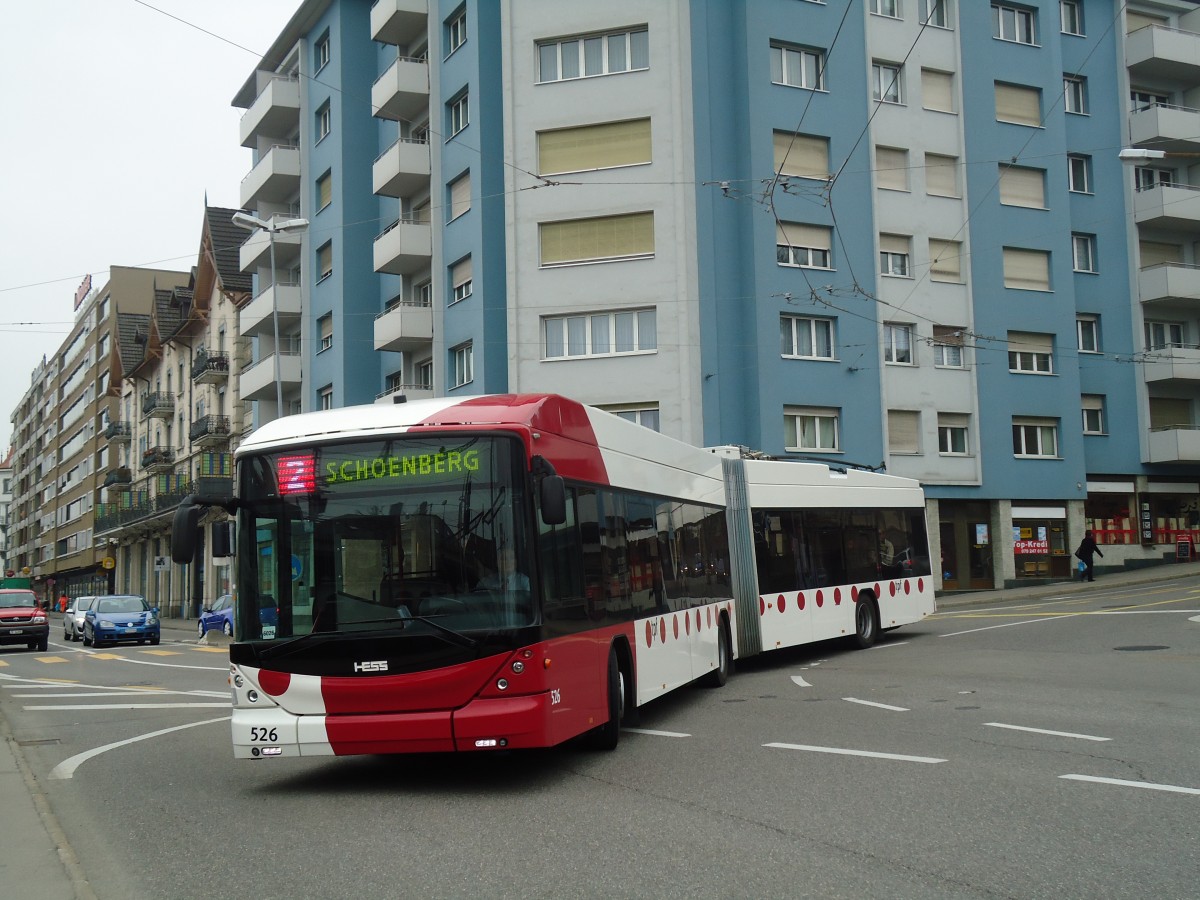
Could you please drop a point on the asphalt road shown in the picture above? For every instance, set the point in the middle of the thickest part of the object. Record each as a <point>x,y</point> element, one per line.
<point>1037,747</point>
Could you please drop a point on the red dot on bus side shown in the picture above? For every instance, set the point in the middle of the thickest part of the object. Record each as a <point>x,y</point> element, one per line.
<point>274,683</point>
<point>687,623</point>
<point>920,584</point>
<point>782,602</point>
<point>662,630</point>
<point>907,586</point>
<point>800,600</point>
<point>675,626</point>
<point>709,611</point>
<point>762,609</point>
<point>837,596</point>
<point>878,593</point>
<point>820,598</point>
<point>699,620</point>
<point>854,593</point>
<point>892,588</point>
<point>649,635</point>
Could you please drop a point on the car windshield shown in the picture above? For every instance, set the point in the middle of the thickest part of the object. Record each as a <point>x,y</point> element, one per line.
<point>18,599</point>
<point>121,605</point>
<point>84,603</point>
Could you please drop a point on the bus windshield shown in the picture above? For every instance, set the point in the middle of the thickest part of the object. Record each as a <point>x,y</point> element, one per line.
<point>421,534</point>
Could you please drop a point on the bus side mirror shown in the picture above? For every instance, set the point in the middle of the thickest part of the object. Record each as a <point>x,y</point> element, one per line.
<point>554,500</point>
<point>184,528</point>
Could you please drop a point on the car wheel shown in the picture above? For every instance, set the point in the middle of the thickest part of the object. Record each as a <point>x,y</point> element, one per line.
<point>87,641</point>
<point>66,634</point>
<point>154,641</point>
<point>44,644</point>
<point>200,630</point>
<point>227,628</point>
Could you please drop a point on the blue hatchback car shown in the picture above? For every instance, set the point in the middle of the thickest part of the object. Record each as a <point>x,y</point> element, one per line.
<point>218,617</point>
<point>117,618</point>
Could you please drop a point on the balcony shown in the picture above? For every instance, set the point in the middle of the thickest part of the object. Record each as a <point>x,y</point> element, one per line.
<point>274,113</point>
<point>404,327</point>
<point>1175,444</point>
<point>398,21</point>
<point>118,432</point>
<point>1175,129</point>
<point>210,367</point>
<point>210,431</point>
<point>404,247</point>
<point>158,405</point>
<point>1169,282</point>
<point>256,251</point>
<point>1159,53</point>
<point>274,178</point>
<point>258,381</point>
<point>1171,206</point>
<point>410,392</point>
<point>283,298</point>
<point>118,477</point>
<point>401,169</point>
<point>402,91</point>
<point>158,459</point>
<point>1174,362</point>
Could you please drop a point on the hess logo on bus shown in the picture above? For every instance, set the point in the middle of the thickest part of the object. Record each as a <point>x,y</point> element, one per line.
<point>372,665</point>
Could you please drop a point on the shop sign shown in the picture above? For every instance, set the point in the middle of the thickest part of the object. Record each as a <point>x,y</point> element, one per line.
<point>1031,547</point>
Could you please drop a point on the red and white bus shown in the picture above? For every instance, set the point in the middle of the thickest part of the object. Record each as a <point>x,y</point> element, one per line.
<point>514,571</point>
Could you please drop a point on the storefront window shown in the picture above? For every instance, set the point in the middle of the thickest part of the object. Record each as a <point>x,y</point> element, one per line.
<point>1110,520</point>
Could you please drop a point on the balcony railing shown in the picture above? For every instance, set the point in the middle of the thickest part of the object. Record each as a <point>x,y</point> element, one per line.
<point>118,431</point>
<point>210,429</point>
<point>210,365</point>
<point>158,404</point>
<point>158,457</point>
<point>118,476</point>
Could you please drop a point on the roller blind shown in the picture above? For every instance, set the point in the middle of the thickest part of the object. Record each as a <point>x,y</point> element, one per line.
<point>601,146</point>
<point>1027,270</point>
<point>1167,411</point>
<point>1021,105</point>
<point>460,196</point>
<point>324,191</point>
<point>893,243</point>
<point>1023,187</point>
<point>460,273</point>
<point>1134,21</point>
<point>954,420</point>
<point>1154,253</point>
<point>945,260</point>
<point>937,90</point>
<point>1093,401</point>
<point>891,168</point>
<point>793,234</point>
<point>802,155</point>
<point>941,175</point>
<point>904,431</point>
<point>326,327</point>
<point>608,237</point>
<point>1030,342</point>
<point>951,335</point>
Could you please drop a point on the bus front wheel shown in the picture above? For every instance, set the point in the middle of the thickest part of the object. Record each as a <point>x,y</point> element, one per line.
<point>607,735</point>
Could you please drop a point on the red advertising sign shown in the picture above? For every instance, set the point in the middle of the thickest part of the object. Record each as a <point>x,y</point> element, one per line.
<point>1020,547</point>
<point>82,290</point>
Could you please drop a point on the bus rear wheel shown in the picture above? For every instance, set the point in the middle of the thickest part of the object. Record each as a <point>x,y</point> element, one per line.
<point>608,735</point>
<point>866,622</point>
<point>718,676</point>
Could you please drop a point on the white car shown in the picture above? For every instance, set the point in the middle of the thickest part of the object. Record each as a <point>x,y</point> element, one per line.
<point>73,618</point>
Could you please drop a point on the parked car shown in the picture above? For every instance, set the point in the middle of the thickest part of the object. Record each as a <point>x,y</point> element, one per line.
<point>218,617</point>
<point>114,618</point>
<point>73,618</point>
<point>22,620</point>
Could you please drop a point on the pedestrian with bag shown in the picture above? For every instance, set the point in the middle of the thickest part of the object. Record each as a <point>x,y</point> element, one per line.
<point>1086,552</point>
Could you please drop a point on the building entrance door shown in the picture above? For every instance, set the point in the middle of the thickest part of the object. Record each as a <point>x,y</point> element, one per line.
<point>966,546</point>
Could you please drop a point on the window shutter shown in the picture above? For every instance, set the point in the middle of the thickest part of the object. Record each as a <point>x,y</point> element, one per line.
<point>1134,21</point>
<point>326,327</point>
<point>801,155</point>
<point>460,196</point>
<point>945,260</point>
<point>1092,401</point>
<point>904,431</point>
<point>954,420</point>
<point>1027,270</point>
<point>610,237</point>
<point>893,243</point>
<point>1154,253</point>
<point>324,191</point>
<point>602,146</point>
<point>793,234</point>
<point>1023,187</point>
<point>1030,342</point>
<point>891,168</point>
<point>941,175</point>
<point>937,90</point>
<point>460,273</point>
<point>1017,104</point>
<point>951,335</point>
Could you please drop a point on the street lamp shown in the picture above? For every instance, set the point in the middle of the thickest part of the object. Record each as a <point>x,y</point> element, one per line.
<point>1135,155</point>
<point>272,228</point>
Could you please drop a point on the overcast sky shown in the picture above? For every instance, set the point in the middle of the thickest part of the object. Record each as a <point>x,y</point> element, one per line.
<point>118,123</point>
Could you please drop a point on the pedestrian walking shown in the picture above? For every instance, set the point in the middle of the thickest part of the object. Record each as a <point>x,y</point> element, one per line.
<point>1086,552</point>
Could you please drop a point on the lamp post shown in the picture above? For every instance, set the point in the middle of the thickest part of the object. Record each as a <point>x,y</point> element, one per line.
<point>272,228</point>
<point>1135,155</point>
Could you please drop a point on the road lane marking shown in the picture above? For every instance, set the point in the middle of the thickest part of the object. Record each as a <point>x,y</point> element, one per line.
<point>651,731</point>
<point>1054,618</point>
<point>876,705</point>
<point>66,768</point>
<point>123,693</point>
<point>844,752</point>
<point>162,652</point>
<point>800,681</point>
<point>86,706</point>
<point>1082,737</point>
<point>50,659</point>
<point>1120,782</point>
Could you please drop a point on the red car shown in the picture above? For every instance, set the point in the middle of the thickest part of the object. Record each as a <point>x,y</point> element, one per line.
<point>22,621</point>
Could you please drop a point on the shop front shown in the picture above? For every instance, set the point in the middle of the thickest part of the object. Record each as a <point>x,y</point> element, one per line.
<point>966,538</point>
<point>1040,546</point>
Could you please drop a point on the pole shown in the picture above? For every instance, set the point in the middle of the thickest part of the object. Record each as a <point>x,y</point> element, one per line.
<point>275,322</point>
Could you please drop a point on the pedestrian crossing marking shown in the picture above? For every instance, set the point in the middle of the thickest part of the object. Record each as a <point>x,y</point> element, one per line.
<point>50,659</point>
<point>163,652</point>
<point>3,664</point>
<point>107,656</point>
<point>213,649</point>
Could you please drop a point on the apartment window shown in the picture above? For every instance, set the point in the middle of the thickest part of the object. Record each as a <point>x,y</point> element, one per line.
<point>1093,413</point>
<point>464,364</point>
<point>422,293</point>
<point>948,346</point>
<point>1079,173</point>
<point>1020,186</point>
<point>1030,354</point>
<point>798,67</point>
<point>324,120</point>
<point>1144,100</point>
<point>812,429</point>
<point>456,31</point>
<point>941,175</point>
<point>325,326</point>
<point>945,261</point>
<point>889,8</point>
<point>458,114</point>
<point>894,255</point>
<point>891,168</point>
<point>806,246</point>
<point>423,374</point>
<point>935,12</point>
<point>1075,94</point>
<point>324,190</point>
<point>646,416</point>
<point>937,91</point>
<point>1070,15</point>
<point>1083,252</point>
<point>897,344</point>
<point>805,337</point>
<point>1018,104</point>
<point>460,280</point>
<point>606,145</point>
<point>801,155</point>
<point>1035,438</point>
<point>952,434</point>
<point>602,239</point>
<point>595,54</point>
<point>325,260</point>
<point>1146,178</point>
<point>321,52</point>
<point>904,431</point>
<point>1087,333</point>
<point>601,334</point>
<point>1159,253</point>
<point>1161,335</point>
<point>1026,270</point>
<point>885,83</point>
<point>325,397</point>
<point>460,195</point>
<point>1013,23</point>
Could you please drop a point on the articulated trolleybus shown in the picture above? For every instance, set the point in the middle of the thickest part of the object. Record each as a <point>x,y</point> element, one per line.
<point>514,571</point>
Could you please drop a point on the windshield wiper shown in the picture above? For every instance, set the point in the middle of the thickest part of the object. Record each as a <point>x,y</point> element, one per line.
<point>399,624</point>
